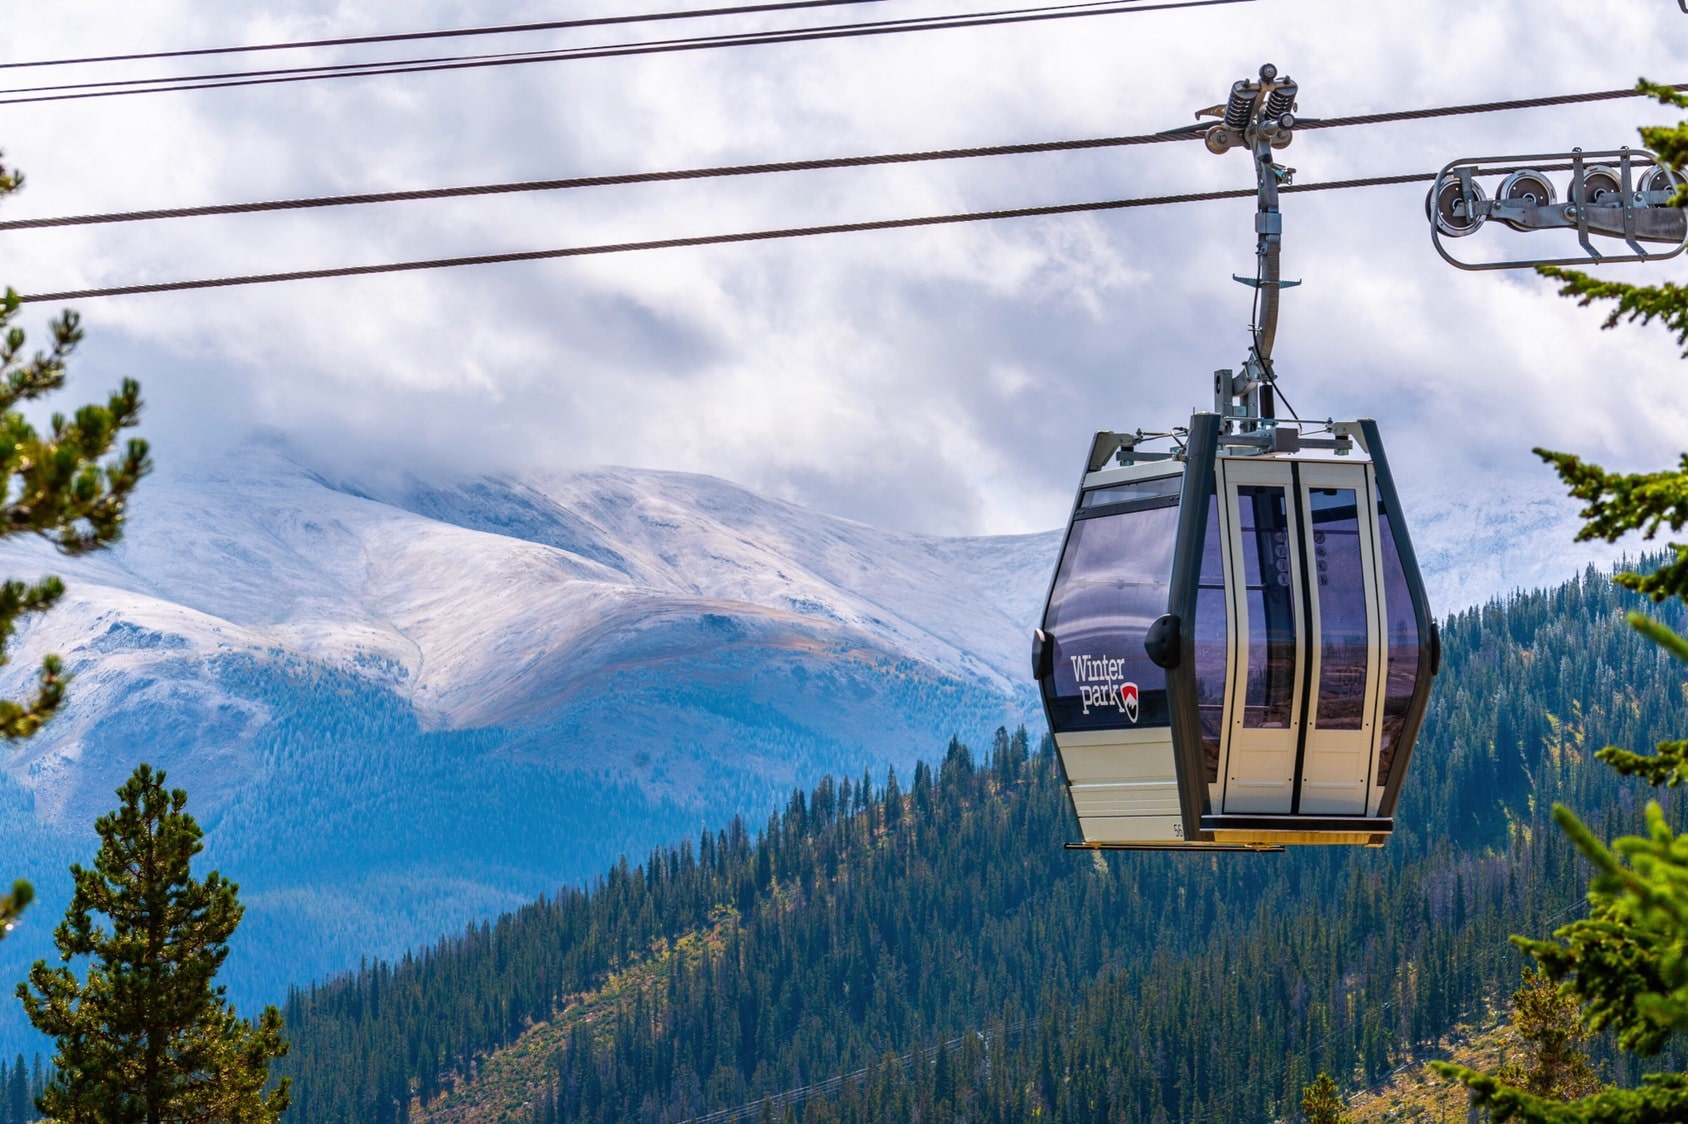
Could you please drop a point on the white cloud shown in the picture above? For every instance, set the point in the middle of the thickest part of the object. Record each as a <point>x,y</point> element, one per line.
<point>944,379</point>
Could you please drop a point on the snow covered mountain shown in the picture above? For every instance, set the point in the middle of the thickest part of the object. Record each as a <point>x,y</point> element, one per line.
<point>400,708</point>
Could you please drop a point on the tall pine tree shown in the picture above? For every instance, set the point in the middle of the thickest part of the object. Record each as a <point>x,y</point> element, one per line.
<point>54,486</point>
<point>148,1038</point>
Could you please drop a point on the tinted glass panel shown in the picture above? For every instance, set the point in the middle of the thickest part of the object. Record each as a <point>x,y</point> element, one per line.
<point>1270,687</point>
<point>1400,624</point>
<point>1341,590</point>
<point>1111,586</point>
<point>1210,646</point>
<point>1160,488</point>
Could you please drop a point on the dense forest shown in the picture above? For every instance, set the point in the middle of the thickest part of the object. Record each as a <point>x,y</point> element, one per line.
<point>890,952</point>
<point>19,1085</point>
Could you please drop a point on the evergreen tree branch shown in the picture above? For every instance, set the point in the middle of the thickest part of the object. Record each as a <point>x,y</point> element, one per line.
<point>67,486</point>
<point>1618,503</point>
<point>12,904</point>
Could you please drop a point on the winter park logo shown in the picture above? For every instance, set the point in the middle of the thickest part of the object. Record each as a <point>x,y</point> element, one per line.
<point>1103,683</point>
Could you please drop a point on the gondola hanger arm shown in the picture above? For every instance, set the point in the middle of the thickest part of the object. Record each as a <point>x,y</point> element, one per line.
<point>1259,115</point>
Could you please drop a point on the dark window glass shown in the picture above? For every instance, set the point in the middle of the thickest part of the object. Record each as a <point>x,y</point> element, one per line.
<point>1210,642</point>
<point>1341,589</point>
<point>1400,624</point>
<point>1160,488</point>
<point>1270,685</point>
<point>1111,586</point>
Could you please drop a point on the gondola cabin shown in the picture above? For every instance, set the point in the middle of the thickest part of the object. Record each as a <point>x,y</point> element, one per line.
<point>1236,649</point>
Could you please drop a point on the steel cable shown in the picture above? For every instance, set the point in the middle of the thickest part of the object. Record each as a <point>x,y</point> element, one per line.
<point>80,91</point>
<point>705,240</point>
<point>310,202</point>
<point>455,33</point>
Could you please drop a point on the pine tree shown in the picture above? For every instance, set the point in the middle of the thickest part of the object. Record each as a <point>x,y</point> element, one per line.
<point>55,487</point>
<point>1549,1025</point>
<point>1626,964</point>
<point>148,1037</point>
<point>1323,1103</point>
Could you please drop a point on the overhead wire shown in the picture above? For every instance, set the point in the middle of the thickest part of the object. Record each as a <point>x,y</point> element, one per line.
<point>452,33</point>
<point>625,179</point>
<point>233,79</point>
<point>705,240</point>
<point>823,163</point>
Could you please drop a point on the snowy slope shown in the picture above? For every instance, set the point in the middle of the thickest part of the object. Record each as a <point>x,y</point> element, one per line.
<point>457,594</point>
<point>400,707</point>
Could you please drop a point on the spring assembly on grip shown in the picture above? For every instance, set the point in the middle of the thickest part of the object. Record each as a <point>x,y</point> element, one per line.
<point>1282,99</point>
<point>1237,109</point>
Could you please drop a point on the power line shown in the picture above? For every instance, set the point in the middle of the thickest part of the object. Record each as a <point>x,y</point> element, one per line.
<point>705,240</point>
<point>586,181</point>
<point>1479,107</point>
<point>630,178</point>
<point>82,91</point>
<point>456,33</point>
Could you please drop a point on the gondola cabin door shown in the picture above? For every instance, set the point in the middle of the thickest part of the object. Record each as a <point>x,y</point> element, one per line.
<point>1304,636</point>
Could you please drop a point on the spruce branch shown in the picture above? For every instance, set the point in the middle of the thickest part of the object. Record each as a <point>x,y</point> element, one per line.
<point>1617,503</point>
<point>67,485</point>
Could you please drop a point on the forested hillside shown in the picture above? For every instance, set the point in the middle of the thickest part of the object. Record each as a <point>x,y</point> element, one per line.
<point>19,1085</point>
<point>867,921</point>
<point>351,688</point>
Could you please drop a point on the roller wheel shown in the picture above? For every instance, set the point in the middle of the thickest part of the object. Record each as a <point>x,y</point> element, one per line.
<point>1600,185</point>
<point>1655,178</point>
<point>1530,187</point>
<point>1439,208</point>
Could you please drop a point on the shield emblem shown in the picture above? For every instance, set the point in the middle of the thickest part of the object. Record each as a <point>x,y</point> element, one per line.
<point>1128,700</point>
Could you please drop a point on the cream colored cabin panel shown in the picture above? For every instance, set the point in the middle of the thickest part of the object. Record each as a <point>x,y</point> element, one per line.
<point>1345,652</point>
<point>1132,829</point>
<point>1143,798</point>
<point>1123,784</point>
<point>1263,576</point>
<point>1117,755</point>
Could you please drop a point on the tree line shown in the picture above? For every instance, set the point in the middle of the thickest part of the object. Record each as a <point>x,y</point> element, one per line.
<point>865,920</point>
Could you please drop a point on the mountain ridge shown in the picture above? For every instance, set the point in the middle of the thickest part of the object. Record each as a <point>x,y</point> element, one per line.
<point>443,720</point>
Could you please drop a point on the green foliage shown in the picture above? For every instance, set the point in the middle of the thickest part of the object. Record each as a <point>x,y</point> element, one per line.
<point>148,1037</point>
<point>868,922</point>
<point>19,1086</point>
<point>54,486</point>
<point>1322,1103</point>
<point>12,904</point>
<point>1618,503</point>
<point>1626,964</point>
<point>1549,1025</point>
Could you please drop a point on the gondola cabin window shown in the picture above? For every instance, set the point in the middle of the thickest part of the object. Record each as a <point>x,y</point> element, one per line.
<point>1344,638</point>
<point>1401,628</point>
<point>1211,642</point>
<point>1267,575</point>
<point>1111,585</point>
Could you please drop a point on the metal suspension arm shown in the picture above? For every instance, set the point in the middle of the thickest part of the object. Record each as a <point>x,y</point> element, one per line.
<point>1258,114</point>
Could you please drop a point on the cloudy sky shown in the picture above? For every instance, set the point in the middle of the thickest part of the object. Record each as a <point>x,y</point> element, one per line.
<point>944,379</point>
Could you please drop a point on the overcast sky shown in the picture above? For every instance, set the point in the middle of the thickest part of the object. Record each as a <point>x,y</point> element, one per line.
<point>944,379</point>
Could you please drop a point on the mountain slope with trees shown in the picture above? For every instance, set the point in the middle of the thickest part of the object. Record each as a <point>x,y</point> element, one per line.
<point>869,922</point>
